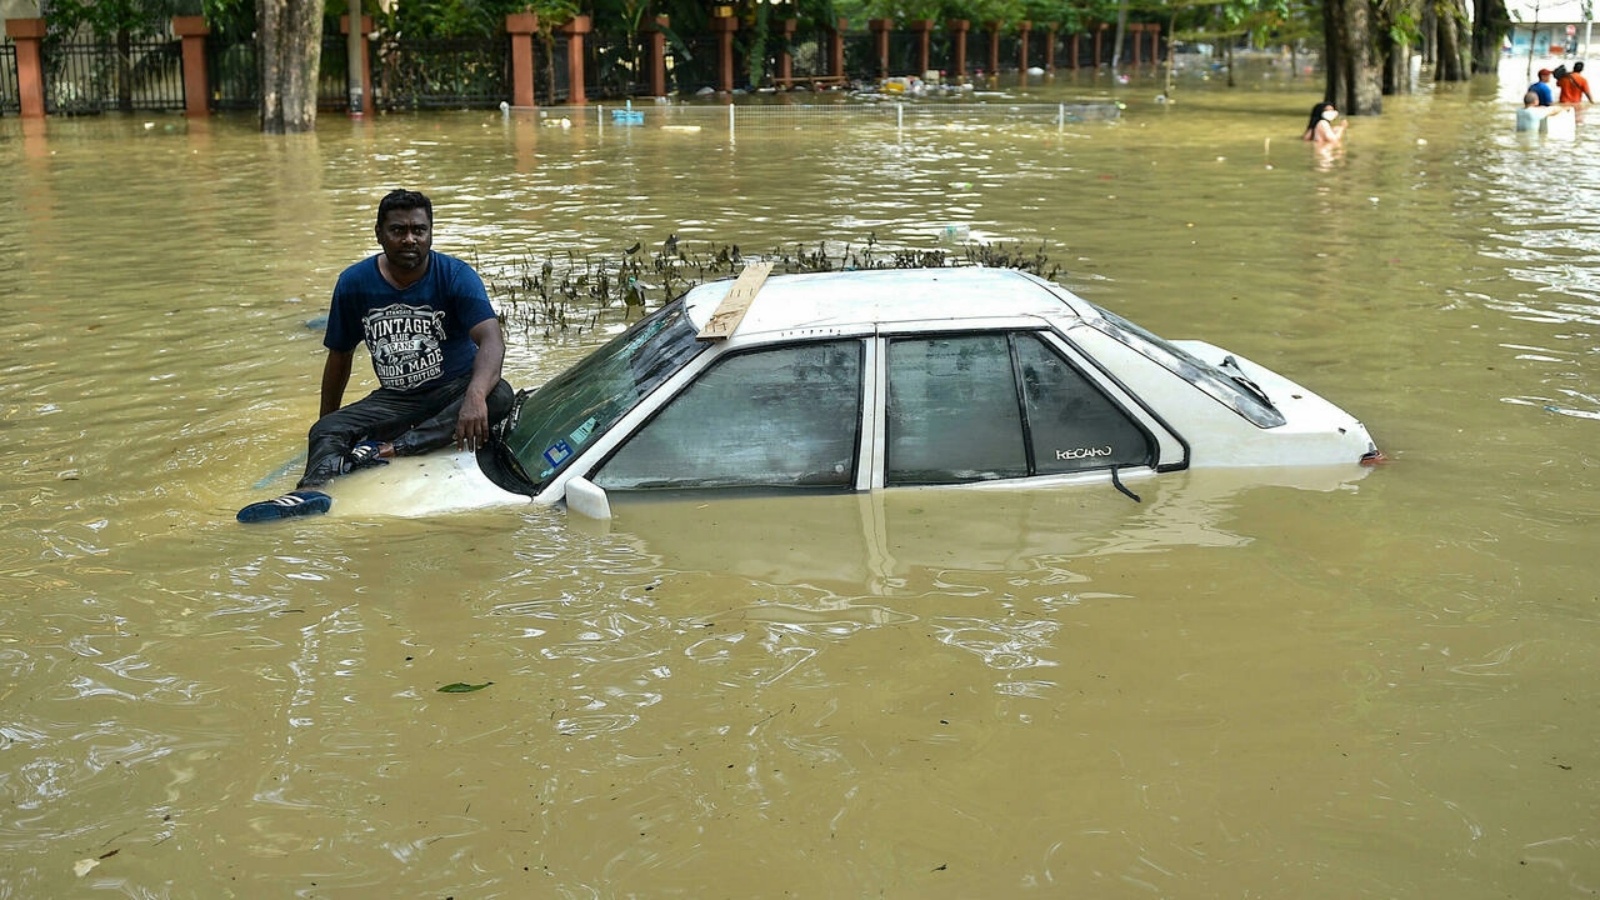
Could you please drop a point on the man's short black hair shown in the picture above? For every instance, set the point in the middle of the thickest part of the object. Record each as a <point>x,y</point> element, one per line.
<point>404,199</point>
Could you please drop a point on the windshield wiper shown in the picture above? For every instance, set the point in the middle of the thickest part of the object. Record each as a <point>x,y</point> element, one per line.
<point>1243,380</point>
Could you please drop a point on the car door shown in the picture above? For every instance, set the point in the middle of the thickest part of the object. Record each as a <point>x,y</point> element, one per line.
<point>964,408</point>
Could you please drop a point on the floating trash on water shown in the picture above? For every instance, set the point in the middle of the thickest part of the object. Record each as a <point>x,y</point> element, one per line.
<point>628,116</point>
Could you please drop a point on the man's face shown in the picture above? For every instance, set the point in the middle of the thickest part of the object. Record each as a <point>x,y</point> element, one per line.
<point>406,237</point>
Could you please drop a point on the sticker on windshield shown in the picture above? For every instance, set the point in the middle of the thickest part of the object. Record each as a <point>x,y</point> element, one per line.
<point>558,453</point>
<point>583,431</point>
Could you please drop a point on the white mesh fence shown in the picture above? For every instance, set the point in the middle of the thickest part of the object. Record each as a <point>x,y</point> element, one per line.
<point>899,116</point>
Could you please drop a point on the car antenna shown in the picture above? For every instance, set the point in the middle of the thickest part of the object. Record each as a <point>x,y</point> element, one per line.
<point>1116,482</point>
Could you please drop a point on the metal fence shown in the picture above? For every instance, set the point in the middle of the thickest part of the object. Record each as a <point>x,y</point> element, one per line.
<point>10,93</point>
<point>441,74</point>
<point>234,81</point>
<point>86,78</point>
<point>96,76</point>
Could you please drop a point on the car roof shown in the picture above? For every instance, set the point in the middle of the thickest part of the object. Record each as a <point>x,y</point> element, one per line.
<point>853,300</point>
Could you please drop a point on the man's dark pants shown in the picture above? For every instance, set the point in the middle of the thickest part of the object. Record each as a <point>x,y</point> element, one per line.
<point>413,421</point>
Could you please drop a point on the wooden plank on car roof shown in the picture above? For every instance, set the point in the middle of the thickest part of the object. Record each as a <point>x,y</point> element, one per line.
<point>730,312</point>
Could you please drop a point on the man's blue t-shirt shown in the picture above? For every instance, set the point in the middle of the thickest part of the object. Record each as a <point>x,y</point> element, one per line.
<point>418,336</point>
<point>1547,97</point>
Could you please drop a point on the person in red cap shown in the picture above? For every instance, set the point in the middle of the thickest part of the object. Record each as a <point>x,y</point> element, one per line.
<point>1547,96</point>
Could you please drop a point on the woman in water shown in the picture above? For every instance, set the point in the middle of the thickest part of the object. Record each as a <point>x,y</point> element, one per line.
<point>1321,130</point>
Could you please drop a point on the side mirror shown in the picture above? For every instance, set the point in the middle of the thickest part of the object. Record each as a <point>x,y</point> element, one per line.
<point>586,498</point>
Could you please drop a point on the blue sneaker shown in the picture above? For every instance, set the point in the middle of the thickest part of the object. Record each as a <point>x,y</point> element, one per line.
<point>364,456</point>
<point>294,503</point>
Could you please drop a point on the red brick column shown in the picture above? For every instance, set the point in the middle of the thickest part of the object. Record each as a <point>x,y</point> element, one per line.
<point>575,29</point>
<point>1050,48</point>
<point>1099,34</point>
<point>880,29</point>
<point>1136,31</point>
<point>27,35</point>
<point>994,48</point>
<point>923,29</point>
<point>522,27</point>
<point>658,56</point>
<point>958,36</point>
<point>786,28</point>
<point>724,27</point>
<point>196,90</point>
<point>366,61</point>
<point>1154,30</point>
<point>836,49</point>
<point>1024,28</point>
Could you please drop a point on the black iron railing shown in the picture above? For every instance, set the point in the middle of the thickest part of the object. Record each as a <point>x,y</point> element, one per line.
<point>10,93</point>
<point>87,78</point>
<point>442,74</point>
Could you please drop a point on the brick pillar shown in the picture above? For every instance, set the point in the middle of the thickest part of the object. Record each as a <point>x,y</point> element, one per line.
<point>522,27</point>
<point>994,48</point>
<point>1136,31</point>
<point>724,27</point>
<point>1154,30</point>
<point>1024,28</point>
<point>27,35</point>
<point>836,49</point>
<point>880,29</point>
<point>958,37</point>
<point>575,29</point>
<point>196,90</point>
<point>1050,48</point>
<point>658,56</point>
<point>786,28</point>
<point>1099,35</point>
<point>366,61</point>
<point>1076,40</point>
<point>923,29</point>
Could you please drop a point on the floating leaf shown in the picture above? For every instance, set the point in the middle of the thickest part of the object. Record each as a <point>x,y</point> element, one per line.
<point>461,687</point>
<point>84,866</point>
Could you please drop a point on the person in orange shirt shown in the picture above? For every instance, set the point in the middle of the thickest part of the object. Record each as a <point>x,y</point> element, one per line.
<point>1573,86</point>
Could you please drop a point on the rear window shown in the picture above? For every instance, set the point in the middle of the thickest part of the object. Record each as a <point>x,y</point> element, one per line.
<point>1203,375</point>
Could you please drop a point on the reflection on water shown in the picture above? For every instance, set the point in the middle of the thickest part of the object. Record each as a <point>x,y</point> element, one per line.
<point>1375,683</point>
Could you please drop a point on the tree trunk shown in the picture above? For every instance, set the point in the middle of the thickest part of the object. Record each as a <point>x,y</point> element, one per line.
<point>1122,28</point>
<point>1490,23</point>
<point>1454,32</point>
<point>1396,57</point>
<point>549,40</point>
<point>1355,79</point>
<point>125,70</point>
<point>289,48</point>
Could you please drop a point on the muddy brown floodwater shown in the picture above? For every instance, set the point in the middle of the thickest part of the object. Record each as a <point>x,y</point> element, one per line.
<point>1380,684</point>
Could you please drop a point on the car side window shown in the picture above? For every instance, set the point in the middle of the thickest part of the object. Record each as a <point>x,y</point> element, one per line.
<point>955,413</point>
<point>1072,426</point>
<point>952,411</point>
<point>783,417</point>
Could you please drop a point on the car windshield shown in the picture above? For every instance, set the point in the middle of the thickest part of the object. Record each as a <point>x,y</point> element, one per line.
<point>554,423</point>
<point>1230,392</point>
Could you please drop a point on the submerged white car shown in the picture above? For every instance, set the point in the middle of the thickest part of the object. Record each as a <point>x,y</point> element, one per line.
<point>876,380</point>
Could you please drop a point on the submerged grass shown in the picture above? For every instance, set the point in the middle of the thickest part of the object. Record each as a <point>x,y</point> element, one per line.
<point>572,292</point>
